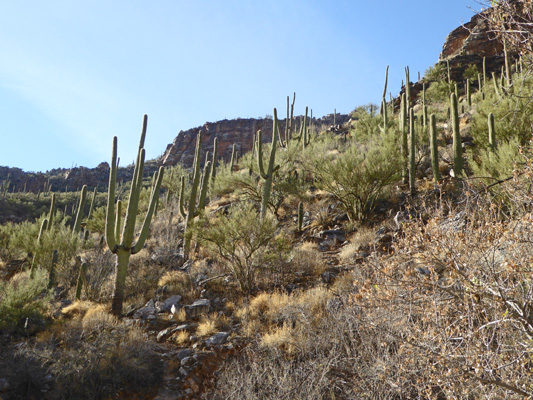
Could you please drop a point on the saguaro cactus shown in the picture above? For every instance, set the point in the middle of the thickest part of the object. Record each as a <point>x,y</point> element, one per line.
<point>79,214</point>
<point>51,212</point>
<point>412,150</point>
<point>300,216</point>
<point>214,163</point>
<point>269,173</point>
<point>492,132</point>
<point>403,130</point>
<point>457,149</point>
<point>39,243</point>
<point>434,148</point>
<point>193,210</point>
<point>125,246</point>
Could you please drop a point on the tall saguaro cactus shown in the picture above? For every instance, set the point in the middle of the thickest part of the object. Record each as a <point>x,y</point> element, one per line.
<point>193,210</point>
<point>412,151</point>
<point>81,206</point>
<point>457,149</point>
<point>267,174</point>
<point>124,246</point>
<point>403,130</point>
<point>51,212</point>
<point>434,147</point>
<point>492,132</point>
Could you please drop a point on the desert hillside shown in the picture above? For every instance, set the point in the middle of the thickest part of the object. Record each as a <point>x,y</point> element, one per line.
<point>384,254</point>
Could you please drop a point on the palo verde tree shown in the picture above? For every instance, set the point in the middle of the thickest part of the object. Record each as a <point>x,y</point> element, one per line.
<point>123,245</point>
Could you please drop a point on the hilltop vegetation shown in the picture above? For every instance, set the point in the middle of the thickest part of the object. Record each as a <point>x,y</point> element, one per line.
<point>387,258</point>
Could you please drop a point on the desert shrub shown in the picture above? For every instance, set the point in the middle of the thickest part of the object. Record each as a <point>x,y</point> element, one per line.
<point>239,239</point>
<point>471,72</point>
<point>439,91</point>
<point>436,73</point>
<point>316,349</point>
<point>23,302</point>
<point>500,163</point>
<point>512,116</point>
<point>22,241</point>
<point>97,357</point>
<point>359,176</point>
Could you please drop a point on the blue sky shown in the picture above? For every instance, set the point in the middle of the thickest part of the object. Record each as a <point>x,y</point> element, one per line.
<point>74,74</point>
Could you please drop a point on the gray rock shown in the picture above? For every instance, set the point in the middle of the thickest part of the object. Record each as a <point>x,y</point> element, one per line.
<point>188,361</point>
<point>217,339</point>
<point>199,307</point>
<point>162,335</point>
<point>184,353</point>
<point>168,303</point>
<point>144,312</point>
<point>182,327</point>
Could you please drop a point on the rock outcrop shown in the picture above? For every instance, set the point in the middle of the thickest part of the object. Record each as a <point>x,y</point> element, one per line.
<point>469,43</point>
<point>238,131</point>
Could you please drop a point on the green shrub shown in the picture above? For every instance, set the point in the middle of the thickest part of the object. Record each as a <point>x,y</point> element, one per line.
<point>513,116</point>
<point>238,238</point>
<point>499,164</point>
<point>358,177</point>
<point>23,302</point>
<point>439,91</point>
<point>471,73</point>
<point>436,73</point>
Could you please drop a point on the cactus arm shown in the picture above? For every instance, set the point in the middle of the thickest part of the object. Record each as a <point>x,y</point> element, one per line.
<point>196,178</point>
<point>259,146</point>
<point>287,123</point>
<point>52,212</point>
<point>151,209</point>
<point>492,132</point>
<point>91,207</point>
<point>270,173</point>
<point>407,88</point>
<point>403,130</point>
<point>457,149</point>
<point>214,163</point>
<point>203,190</point>
<point>412,163</point>
<point>110,213</point>
<point>133,202</point>
<point>434,148</point>
<point>143,132</point>
<point>305,133</point>
<point>118,221</point>
<point>181,196</point>
<point>233,157</point>
<point>386,81</point>
<point>79,214</point>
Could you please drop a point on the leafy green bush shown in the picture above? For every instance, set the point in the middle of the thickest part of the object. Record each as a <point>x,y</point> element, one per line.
<point>471,73</point>
<point>23,302</point>
<point>358,177</point>
<point>499,164</point>
<point>436,73</point>
<point>238,238</point>
<point>513,116</point>
<point>439,91</point>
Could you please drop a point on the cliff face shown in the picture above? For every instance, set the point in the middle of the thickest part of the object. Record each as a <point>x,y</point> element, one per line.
<point>237,131</point>
<point>469,43</point>
<point>60,179</point>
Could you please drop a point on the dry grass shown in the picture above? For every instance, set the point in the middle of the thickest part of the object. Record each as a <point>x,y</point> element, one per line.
<point>182,338</point>
<point>360,239</point>
<point>79,308</point>
<point>308,259</point>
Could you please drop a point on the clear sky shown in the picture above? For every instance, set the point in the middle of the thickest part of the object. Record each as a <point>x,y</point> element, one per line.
<point>73,74</point>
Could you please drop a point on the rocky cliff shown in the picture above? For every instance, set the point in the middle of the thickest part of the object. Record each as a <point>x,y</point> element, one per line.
<point>469,43</point>
<point>238,131</point>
